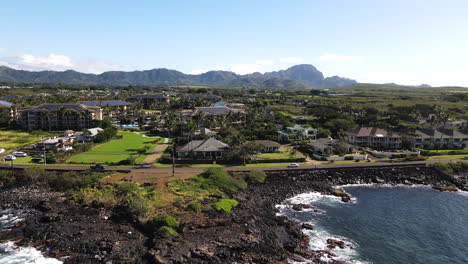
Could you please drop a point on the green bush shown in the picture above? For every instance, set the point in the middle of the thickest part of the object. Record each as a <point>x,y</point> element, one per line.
<point>164,220</point>
<point>34,173</point>
<point>255,176</point>
<point>220,178</point>
<point>166,231</point>
<point>225,205</point>
<point>194,207</point>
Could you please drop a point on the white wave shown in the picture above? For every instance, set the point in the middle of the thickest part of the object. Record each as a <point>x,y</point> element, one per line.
<point>10,253</point>
<point>10,218</point>
<point>318,236</point>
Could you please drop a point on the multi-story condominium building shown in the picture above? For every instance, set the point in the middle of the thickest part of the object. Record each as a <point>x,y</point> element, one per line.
<point>444,138</point>
<point>375,138</point>
<point>58,116</point>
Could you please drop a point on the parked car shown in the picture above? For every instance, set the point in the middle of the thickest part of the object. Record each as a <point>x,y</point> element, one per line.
<point>97,167</point>
<point>19,154</point>
<point>293,165</point>
<point>9,157</point>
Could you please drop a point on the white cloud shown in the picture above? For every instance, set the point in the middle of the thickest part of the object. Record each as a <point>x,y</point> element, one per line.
<point>246,68</point>
<point>340,58</point>
<point>31,62</point>
<point>265,62</point>
<point>2,50</point>
<point>56,62</point>
<point>292,60</point>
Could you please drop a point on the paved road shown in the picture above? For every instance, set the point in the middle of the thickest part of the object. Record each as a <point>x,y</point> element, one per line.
<point>198,170</point>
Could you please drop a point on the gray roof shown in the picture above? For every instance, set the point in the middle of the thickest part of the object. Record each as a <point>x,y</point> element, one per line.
<point>268,143</point>
<point>94,131</point>
<point>149,96</point>
<point>57,107</point>
<point>209,145</point>
<point>106,103</point>
<point>216,110</point>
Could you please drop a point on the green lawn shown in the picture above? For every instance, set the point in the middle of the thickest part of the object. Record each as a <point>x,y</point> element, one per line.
<point>282,154</point>
<point>13,140</point>
<point>346,162</point>
<point>116,150</point>
<point>447,157</point>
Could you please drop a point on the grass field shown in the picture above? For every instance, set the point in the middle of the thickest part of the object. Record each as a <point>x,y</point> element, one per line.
<point>116,150</point>
<point>12,140</point>
<point>282,154</point>
<point>447,157</point>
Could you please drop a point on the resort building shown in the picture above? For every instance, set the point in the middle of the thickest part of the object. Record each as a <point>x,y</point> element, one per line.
<point>439,138</point>
<point>58,116</point>
<point>375,138</point>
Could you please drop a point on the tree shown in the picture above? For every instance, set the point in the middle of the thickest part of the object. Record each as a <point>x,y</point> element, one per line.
<point>247,149</point>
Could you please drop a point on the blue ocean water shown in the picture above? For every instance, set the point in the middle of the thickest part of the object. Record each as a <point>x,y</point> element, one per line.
<point>392,224</point>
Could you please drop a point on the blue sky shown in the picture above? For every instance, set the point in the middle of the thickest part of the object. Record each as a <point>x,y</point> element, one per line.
<point>402,41</point>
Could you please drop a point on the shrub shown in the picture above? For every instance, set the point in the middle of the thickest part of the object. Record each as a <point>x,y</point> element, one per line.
<point>225,205</point>
<point>164,220</point>
<point>194,207</point>
<point>218,177</point>
<point>255,176</point>
<point>348,158</point>
<point>34,173</point>
<point>166,231</point>
<point>443,167</point>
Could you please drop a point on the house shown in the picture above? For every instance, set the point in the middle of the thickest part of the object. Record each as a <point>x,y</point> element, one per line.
<point>268,146</point>
<point>59,143</point>
<point>149,100</point>
<point>447,138</point>
<point>58,116</point>
<point>205,97</point>
<point>327,146</point>
<point>375,138</point>
<point>68,133</point>
<point>201,131</point>
<point>88,135</point>
<point>297,132</point>
<point>204,149</point>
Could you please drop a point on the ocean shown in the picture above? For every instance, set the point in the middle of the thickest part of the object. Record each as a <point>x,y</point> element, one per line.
<point>10,253</point>
<point>387,224</point>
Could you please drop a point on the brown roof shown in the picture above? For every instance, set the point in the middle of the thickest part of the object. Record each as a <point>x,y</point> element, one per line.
<point>371,132</point>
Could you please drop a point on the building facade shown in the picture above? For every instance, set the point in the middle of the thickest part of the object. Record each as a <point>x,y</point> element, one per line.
<point>58,116</point>
<point>375,138</point>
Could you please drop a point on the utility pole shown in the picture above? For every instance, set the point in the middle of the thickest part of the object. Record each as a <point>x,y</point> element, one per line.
<point>173,162</point>
<point>44,151</point>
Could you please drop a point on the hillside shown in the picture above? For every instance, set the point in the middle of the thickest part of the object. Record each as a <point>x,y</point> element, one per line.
<point>296,77</point>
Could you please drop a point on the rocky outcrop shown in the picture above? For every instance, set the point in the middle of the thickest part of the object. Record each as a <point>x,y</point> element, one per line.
<point>253,233</point>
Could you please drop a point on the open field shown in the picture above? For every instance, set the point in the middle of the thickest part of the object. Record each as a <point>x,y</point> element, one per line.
<point>448,157</point>
<point>282,154</point>
<point>116,150</point>
<point>13,140</point>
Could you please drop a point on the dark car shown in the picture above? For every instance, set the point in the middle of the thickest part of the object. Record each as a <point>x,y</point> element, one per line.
<point>38,156</point>
<point>97,167</point>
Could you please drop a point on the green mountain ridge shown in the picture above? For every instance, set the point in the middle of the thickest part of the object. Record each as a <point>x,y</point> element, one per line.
<point>295,77</point>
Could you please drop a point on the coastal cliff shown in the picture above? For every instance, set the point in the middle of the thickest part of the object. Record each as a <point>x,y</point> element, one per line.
<point>253,233</point>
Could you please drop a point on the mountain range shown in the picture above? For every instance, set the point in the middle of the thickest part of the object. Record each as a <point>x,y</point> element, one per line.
<point>297,77</point>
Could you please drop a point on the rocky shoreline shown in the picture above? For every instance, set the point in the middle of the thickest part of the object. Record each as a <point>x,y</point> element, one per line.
<point>251,234</point>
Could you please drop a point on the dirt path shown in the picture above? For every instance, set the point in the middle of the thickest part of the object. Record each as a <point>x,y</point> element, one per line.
<point>156,154</point>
